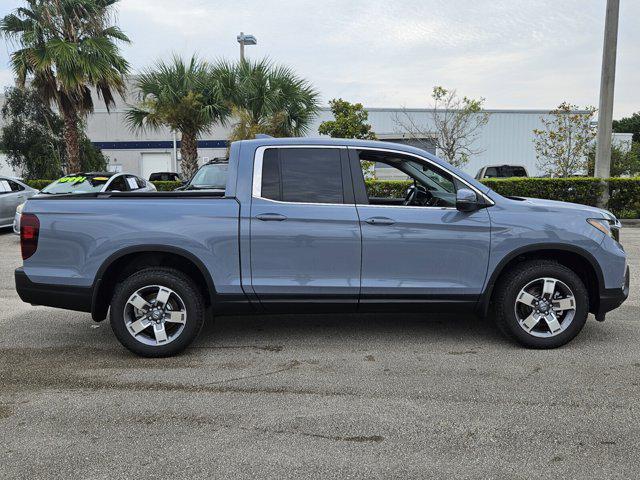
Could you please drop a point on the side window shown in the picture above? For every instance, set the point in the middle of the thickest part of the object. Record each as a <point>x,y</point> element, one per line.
<point>141,183</point>
<point>4,186</point>
<point>15,186</point>
<point>118,184</point>
<point>410,182</point>
<point>306,175</point>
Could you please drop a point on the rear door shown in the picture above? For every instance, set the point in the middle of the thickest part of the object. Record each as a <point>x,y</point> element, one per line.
<point>305,233</point>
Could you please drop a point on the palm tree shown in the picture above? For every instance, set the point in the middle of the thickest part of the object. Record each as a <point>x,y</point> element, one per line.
<point>267,99</point>
<point>182,97</point>
<point>68,47</point>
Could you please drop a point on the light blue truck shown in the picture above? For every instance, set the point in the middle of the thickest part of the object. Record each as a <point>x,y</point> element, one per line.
<point>299,228</point>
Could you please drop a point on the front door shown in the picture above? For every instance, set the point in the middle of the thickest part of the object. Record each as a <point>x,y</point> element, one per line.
<point>416,247</point>
<point>305,233</point>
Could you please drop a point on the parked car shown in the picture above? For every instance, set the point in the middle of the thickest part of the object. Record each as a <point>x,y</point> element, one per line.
<point>297,230</point>
<point>164,177</point>
<point>211,176</point>
<point>90,182</point>
<point>13,192</point>
<point>501,171</point>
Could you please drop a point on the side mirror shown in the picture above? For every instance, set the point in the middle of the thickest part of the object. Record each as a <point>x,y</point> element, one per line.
<point>466,200</point>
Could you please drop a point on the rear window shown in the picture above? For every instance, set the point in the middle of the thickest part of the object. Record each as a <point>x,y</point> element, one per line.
<point>77,184</point>
<point>306,175</point>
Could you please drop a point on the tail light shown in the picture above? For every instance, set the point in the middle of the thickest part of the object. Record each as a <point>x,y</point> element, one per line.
<point>29,230</point>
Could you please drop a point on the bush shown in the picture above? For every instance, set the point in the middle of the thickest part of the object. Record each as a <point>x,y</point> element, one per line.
<point>38,184</point>
<point>575,189</point>
<point>167,186</point>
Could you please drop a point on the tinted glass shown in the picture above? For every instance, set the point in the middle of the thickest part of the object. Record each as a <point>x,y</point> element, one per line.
<point>311,175</point>
<point>118,184</point>
<point>491,172</point>
<point>140,182</point>
<point>271,175</point>
<point>513,172</point>
<point>15,186</point>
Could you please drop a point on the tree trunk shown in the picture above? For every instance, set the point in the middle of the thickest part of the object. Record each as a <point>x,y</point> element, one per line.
<point>72,142</point>
<point>189,152</point>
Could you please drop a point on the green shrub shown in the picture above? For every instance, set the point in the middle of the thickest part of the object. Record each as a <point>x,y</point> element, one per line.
<point>166,186</point>
<point>388,188</point>
<point>38,184</point>
<point>576,189</point>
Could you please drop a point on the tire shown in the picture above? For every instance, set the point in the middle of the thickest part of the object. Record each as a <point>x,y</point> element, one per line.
<point>528,314</point>
<point>170,316</point>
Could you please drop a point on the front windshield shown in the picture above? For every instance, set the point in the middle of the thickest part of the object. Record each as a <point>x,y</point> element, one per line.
<point>76,184</point>
<point>213,175</point>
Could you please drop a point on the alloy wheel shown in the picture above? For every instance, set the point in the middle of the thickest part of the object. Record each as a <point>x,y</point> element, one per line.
<point>155,315</point>
<point>545,307</point>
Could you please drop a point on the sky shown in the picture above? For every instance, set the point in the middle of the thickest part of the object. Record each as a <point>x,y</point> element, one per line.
<point>517,54</point>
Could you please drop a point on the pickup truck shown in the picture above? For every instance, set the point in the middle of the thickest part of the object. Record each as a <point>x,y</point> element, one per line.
<point>299,228</point>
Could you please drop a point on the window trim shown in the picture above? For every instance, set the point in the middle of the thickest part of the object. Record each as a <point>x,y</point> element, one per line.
<point>256,190</point>
<point>489,201</point>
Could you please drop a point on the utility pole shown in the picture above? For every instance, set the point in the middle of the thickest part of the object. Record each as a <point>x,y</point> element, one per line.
<point>607,84</point>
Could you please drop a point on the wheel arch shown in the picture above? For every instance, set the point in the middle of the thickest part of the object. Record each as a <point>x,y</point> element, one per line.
<point>576,258</point>
<point>128,260</point>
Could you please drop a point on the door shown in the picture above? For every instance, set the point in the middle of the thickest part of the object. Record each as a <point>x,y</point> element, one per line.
<point>305,234</point>
<point>12,194</point>
<point>155,162</point>
<point>416,246</point>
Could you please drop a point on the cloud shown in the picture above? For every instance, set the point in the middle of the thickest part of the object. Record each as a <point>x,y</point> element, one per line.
<point>515,53</point>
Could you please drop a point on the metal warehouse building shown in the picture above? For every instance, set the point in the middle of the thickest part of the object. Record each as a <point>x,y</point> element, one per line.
<point>507,138</point>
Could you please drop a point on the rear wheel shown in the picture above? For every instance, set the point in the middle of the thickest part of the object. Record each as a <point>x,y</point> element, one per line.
<point>541,304</point>
<point>156,312</point>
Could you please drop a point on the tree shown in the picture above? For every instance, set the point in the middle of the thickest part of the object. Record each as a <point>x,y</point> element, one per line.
<point>33,140</point>
<point>350,121</point>
<point>267,98</point>
<point>186,97</point>
<point>68,47</point>
<point>624,161</point>
<point>629,125</point>
<point>455,125</point>
<point>561,146</point>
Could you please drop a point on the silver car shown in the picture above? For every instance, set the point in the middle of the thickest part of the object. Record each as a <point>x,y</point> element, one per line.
<point>13,192</point>
<point>90,182</point>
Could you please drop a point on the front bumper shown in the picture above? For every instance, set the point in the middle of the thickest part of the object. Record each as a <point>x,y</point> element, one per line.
<point>612,298</point>
<point>59,296</point>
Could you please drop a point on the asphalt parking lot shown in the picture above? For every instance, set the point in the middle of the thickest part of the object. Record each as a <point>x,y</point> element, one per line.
<point>376,396</point>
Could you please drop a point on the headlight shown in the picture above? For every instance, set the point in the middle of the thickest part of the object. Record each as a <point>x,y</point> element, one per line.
<point>19,208</point>
<point>608,226</point>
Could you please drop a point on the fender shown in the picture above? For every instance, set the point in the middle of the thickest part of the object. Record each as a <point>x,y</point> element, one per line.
<point>99,306</point>
<point>483,303</point>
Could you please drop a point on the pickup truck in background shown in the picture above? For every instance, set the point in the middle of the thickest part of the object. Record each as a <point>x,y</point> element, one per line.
<point>297,228</point>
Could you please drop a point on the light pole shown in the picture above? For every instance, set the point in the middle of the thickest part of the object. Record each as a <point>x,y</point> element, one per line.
<point>245,40</point>
<point>607,83</point>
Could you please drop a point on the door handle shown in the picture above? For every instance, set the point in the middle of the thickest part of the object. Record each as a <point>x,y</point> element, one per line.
<point>271,217</point>
<point>380,221</point>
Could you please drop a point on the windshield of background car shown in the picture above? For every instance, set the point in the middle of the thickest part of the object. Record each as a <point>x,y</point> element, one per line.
<point>76,184</point>
<point>211,176</point>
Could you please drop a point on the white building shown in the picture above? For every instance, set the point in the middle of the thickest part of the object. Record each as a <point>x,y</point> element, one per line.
<point>507,138</point>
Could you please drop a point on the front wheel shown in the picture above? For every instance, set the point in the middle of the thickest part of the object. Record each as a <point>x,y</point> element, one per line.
<point>541,304</point>
<point>156,312</point>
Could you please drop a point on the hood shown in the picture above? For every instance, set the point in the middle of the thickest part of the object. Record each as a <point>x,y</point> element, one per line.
<point>555,205</point>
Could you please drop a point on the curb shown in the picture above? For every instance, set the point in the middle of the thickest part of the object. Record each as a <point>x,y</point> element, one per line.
<point>630,222</point>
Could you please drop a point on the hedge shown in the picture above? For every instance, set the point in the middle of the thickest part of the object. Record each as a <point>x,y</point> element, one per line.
<point>624,193</point>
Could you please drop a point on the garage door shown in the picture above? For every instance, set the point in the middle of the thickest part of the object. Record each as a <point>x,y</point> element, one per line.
<point>155,162</point>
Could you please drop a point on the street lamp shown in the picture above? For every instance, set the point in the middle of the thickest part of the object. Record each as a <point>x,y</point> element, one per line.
<point>245,40</point>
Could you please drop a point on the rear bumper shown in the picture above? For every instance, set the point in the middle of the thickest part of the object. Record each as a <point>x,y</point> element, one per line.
<point>59,296</point>
<point>612,298</point>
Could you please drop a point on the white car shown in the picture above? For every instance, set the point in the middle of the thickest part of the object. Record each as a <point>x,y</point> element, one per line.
<point>90,182</point>
<point>501,171</point>
<point>13,192</point>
